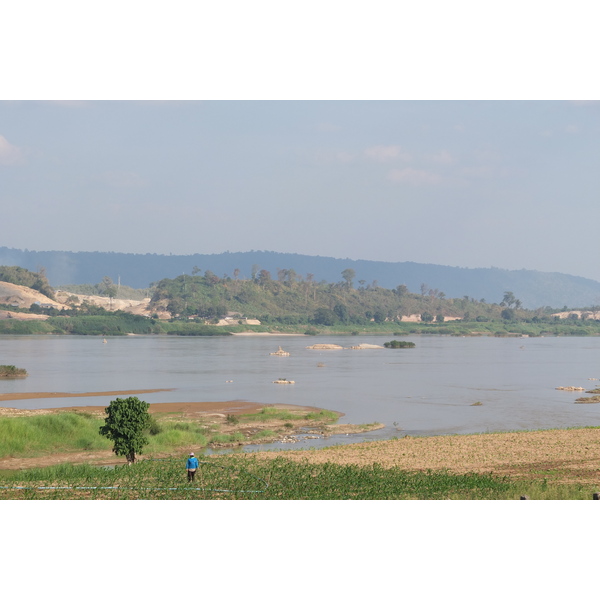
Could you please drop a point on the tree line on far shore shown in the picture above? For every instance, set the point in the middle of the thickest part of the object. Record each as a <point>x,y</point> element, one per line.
<point>288,302</point>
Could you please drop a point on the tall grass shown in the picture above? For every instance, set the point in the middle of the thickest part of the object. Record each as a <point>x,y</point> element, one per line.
<point>30,436</point>
<point>72,432</point>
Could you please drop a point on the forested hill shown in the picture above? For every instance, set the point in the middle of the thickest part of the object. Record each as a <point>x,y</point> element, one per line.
<point>534,289</point>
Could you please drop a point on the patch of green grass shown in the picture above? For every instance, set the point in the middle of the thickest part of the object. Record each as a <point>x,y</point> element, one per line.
<point>246,477</point>
<point>77,431</point>
<point>369,426</point>
<point>176,437</point>
<point>322,415</point>
<point>269,413</point>
<point>32,436</point>
<point>225,438</point>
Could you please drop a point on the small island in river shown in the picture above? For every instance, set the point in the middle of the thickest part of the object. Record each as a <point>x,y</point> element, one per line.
<point>12,372</point>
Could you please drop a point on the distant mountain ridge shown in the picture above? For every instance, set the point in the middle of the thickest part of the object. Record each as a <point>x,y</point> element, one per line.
<point>534,288</point>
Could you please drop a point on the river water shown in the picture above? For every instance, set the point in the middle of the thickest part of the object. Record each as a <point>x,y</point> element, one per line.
<point>426,390</point>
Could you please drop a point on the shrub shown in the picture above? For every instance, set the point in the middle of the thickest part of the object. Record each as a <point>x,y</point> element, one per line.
<point>10,371</point>
<point>399,344</point>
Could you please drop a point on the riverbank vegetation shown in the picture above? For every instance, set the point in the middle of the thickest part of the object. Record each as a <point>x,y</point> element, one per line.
<point>122,323</point>
<point>290,303</point>
<point>75,431</point>
<point>399,344</point>
<point>12,372</point>
<point>61,456</point>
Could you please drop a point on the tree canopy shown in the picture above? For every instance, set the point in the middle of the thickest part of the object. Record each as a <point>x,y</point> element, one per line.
<point>126,421</point>
<point>19,276</point>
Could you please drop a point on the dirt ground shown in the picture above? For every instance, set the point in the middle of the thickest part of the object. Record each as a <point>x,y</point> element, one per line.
<point>562,456</point>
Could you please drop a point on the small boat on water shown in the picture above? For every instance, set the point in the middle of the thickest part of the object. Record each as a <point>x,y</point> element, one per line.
<point>280,352</point>
<point>281,380</point>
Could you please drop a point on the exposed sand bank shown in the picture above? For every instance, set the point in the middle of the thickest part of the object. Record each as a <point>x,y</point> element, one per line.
<point>186,409</point>
<point>33,395</point>
<point>270,334</point>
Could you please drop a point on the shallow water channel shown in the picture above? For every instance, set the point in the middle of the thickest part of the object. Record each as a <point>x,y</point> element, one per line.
<point>427,390</point>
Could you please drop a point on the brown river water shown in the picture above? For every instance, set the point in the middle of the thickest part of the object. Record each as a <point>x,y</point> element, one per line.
<point>432,389</point>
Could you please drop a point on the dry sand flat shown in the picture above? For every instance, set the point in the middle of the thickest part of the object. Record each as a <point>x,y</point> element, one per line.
<point>567,456</point>
<point>19,316</point>
<point>324,347</point>
<point>34,395</point>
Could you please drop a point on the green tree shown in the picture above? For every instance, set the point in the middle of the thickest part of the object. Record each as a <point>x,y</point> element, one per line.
<point>509,299</point>
<point>348,275</point>
<point>324,316</point>
<point>264,277</point>
<point>341,312</point>
<point>379,316</point>
<point>126,420</point>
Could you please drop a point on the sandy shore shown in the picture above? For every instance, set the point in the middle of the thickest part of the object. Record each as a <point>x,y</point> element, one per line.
<point>33,395</point>
<point>186,409</point>
<point>266,333</point>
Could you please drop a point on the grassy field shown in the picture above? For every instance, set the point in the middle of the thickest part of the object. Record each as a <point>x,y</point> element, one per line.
<point>77,431</point>
<point>250,478</point>
<point>559,464</point>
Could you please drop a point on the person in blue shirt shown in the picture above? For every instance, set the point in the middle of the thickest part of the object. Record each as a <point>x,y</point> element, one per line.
<point>191,466</point>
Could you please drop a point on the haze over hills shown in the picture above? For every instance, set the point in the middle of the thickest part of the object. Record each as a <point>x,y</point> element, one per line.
<point>534,288</point>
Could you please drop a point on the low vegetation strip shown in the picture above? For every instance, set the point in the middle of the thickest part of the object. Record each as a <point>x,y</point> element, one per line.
<point>12,372</point>
<point>399,344</point>
<point>233,477</point>
<point>27,437</point>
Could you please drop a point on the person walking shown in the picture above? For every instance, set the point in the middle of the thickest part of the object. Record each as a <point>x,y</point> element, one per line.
<point>191,466</point>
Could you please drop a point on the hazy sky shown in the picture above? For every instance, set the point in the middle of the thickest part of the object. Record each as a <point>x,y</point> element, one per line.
<point>510,184</point>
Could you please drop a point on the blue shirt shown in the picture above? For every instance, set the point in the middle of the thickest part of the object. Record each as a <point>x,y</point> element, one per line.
<point>192,463</point>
